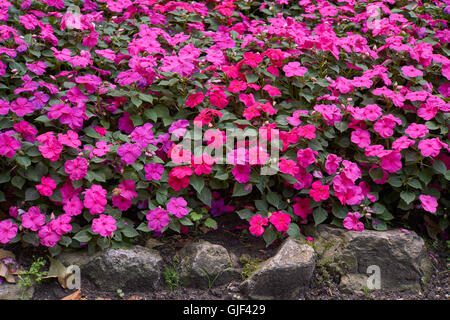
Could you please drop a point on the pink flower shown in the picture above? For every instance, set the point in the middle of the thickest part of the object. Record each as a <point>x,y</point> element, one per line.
<point>46,187</point>
<point>280,220</point>
<point>351,170</point>
<point>319,191</point>
<point>76,168</point>
<point>21,107</point>
<point>402,143</point>
<point>157,219</point>
<point>129,152</point>
<point>69,139</point>
<point>252,59</point>
<point>73,206</point>
<point>143,136</point>
<point>48,237</point>
<point>392,162</point>
<point>101,148</point>
<point>351,222</point>
<point>33,219</point>
<point>294,69</point>
<point>237,86</point>
<point>241,173</point>
<point>104,225</point>
<point>153,171</point>
<point>194,99</point>
<point>301,208</point>
<point>430,147</point>
<point>427,111</point>
<point>412,72</point>
<point>288,166</point>
<point>332,163</point>
<point>37,67</point>
<point>178,128</point>
<point>361,138</point>
<point>8,145</point>
<point>8,230</point>
<point>51,148</point>
<point>257,224</point>
<point>429,203</point>
<point>271,90</point>
<point>179,177</point>
<point>124,194</point>
<point>61,225</point>
<point>305,157</point>
<point>95,199</point>
<point>415,130</point>
<point>177,207</point>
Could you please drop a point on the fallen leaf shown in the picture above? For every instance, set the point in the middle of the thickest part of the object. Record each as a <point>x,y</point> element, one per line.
<point>6,254</point>
<point>74,296</point>
<point>59,271</point>
<point>152,243</point>
<point>5,273</point>
<point>135,298</point>
<point>433,228</point>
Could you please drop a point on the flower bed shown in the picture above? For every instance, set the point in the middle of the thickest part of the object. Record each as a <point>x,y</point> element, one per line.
<point>104,104</point>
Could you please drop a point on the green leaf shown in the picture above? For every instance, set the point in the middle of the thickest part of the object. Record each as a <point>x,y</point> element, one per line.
<point>23,161</point>
<point>339,211</point>
<point>239,191</point>
<point>211,223</point>
<point>294,231</point>
<point>82,236</point>
<point>5,176</point>
<point>320,215</point>
<point>205,196</point>
<point>197,182</point>
<point>245,214</point>
<point>143,227</point>
<point>269,236</point>
<point>379,225</point>
<point>129,232</point>
<point>376,174</point>
<point>18,182</point>
<point>251,77</point>
<point>146,97</point>
<point>273,198</point>
<point>415,184</point>
<point>439,167</point>
<point>395,181</point>
<point>195,216</point>
<point>407,196</point>
<point>31,194</point>
<point>185,221</point>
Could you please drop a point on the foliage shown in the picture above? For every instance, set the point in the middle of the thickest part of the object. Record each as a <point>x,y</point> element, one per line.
<point>31,277</point>
<point>250,266</point>
<point>95,96</point>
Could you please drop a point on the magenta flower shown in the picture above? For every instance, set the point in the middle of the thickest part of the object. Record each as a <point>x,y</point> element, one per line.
<point>21,107</point>
<point>8,145</point>
<point>95,199</point>
<point>177,207</point>
<point>351,222</point>
<point>104,225</point>
<point>153,171</point>
<point>319,191</point>
<point>257,224</point>
<point>412,72</point>
<point>48,237</point>
<point>76,168</point>
<point>294,69</point>
<point>46,187</point>
<point>241,173</point>
<point>157,219</point>
<point>129,152</point>
<point>33,219</point>
<point>8,230</point>
<point>280,220</point>
<point>301,208</point>
<point>429,203</point>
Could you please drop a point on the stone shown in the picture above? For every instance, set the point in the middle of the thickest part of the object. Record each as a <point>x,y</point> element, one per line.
<point>288,273</point>
<point>204,265</point>
<point>10,291</point>
<point>401,257</point>
<point>136,269</point>
<point>79,258</point>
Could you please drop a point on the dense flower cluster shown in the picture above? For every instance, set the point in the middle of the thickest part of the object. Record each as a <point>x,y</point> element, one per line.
<point>96,95</point>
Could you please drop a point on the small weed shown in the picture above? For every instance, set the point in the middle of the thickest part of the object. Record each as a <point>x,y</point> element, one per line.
<point>120,293</point>
<point>171,278</point>
<point>28,279</point>
<point>250,266</point>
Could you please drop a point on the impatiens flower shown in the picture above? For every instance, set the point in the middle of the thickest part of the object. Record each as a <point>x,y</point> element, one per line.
<point>252,59</point>
<point>361,138</point>
<point>430,147</point>
<point>8,230</point>
<point>76,168</point>
<point>427,111</point>
<point>179,177</point>
<point>415,130</point>
<point>143,136</point>
<point>33,219</point>
<point>271,90</point>
<point>48,237</point>
<point>241,173</point>
<point>157,219</point>
<point>8,145</point>
<point>280,220</point>
<point>124,194</point>
<point>294,69</point>
<point>402,143</point>
<point>21,107</point>
<point>288,166</point>
<point>429,203</point>
<point>392,162</point>
<point>319,191</point>
<point>237,86</point>
<point>153,171</point>
<point>73,206</point>
<point>305,157</point>
<point>51,148</point>
<point>194,99</point>
<point>301,208</point>
<point>61,225</point>
<point>177,207</point>
<point>332,163</point>
<point>257,224</point>
<point>412,72</point>
<point>129,152</point>
<point>178,128</point>
<point>104,225</point>
<point>46,187</point>
<point>101,148</point>
<point>95,199</point>
<point>351,222</point>
<point>37,67</point>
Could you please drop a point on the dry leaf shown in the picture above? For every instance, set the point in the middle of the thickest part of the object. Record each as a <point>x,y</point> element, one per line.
<point>433,228</point>
<point>74,296</point>
<point>152,243</point>
<point>5,273</point>
<point>6,254</point>
<point>57,270</point>
<point>135,298</point>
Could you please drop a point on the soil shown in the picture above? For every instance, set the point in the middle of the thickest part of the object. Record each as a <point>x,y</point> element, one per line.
<point>238,243</point>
